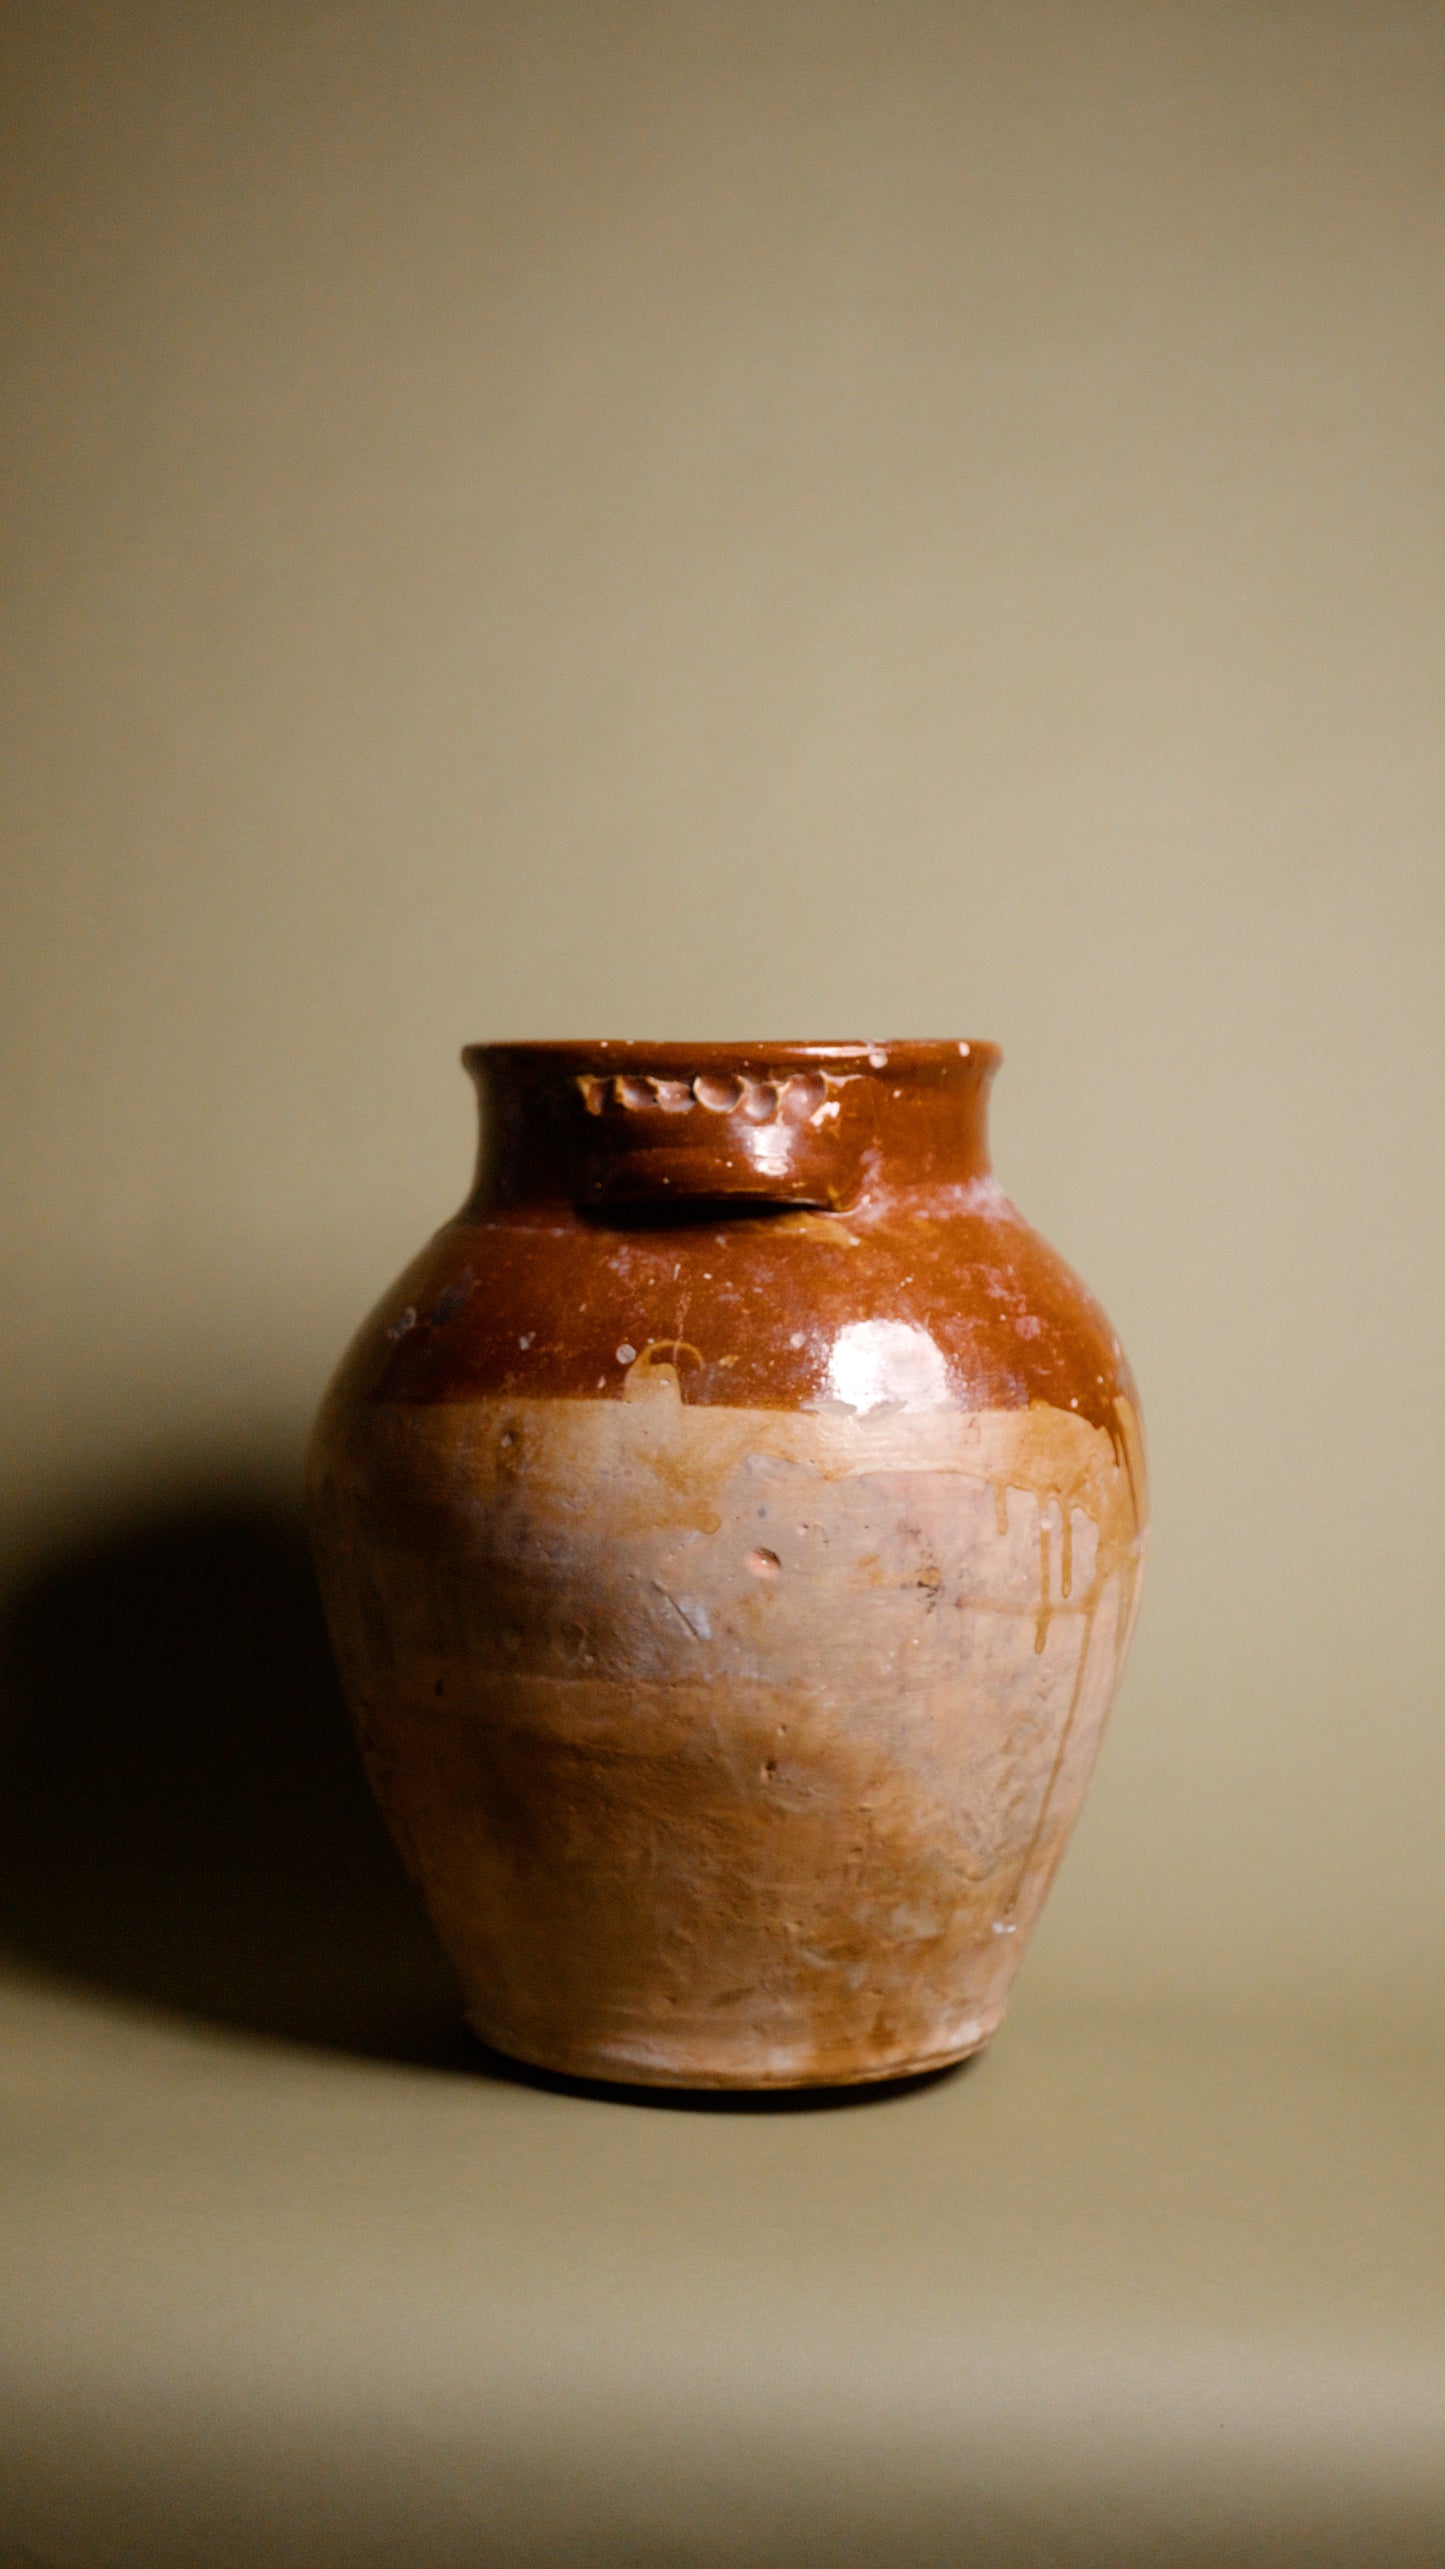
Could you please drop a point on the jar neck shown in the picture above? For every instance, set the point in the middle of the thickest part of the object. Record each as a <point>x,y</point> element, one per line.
<point>600,1125</point>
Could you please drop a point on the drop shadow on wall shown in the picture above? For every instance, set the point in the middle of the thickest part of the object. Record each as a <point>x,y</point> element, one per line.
<point>184,1819</point>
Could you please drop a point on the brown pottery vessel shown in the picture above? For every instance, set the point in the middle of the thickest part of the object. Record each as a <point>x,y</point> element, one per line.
<point>731,1530</point>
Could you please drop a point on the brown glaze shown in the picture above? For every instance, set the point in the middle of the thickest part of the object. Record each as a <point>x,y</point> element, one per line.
<point>731,1529</point>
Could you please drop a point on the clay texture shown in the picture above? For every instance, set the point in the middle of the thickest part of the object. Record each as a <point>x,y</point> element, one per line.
<point>731,1531</point>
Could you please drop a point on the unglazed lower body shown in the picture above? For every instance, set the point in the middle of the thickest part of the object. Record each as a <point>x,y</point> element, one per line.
<point>730,1747</point>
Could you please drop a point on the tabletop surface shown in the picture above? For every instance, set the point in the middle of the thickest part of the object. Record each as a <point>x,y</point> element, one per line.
<point>1118,2291</point>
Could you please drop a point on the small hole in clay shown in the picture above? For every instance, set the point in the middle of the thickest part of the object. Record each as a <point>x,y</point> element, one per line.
<point>763,1563</point>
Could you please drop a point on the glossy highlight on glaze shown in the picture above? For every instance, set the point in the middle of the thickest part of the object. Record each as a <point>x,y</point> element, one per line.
<point>731,1529</point>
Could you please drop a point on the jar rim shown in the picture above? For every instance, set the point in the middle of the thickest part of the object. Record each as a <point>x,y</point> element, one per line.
<point>909,1056</point>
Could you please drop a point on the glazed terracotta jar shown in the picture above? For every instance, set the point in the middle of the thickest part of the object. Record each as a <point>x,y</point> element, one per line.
<point>731,1529</point>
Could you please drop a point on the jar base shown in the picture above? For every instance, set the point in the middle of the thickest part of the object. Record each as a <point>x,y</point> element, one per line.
<point>617,2069</point>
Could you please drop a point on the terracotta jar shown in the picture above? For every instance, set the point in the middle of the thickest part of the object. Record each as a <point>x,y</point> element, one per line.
<point>731,1529</point>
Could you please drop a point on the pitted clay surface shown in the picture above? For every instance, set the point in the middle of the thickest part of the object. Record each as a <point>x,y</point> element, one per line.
<point>733,1736</point>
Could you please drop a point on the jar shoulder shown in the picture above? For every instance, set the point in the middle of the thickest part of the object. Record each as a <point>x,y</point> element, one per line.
<point>945,1299</point>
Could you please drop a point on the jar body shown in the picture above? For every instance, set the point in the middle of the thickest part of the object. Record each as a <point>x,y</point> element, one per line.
<point>730,1584</point>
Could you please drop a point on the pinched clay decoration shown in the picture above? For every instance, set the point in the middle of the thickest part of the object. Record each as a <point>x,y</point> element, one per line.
<point>731,1529</point>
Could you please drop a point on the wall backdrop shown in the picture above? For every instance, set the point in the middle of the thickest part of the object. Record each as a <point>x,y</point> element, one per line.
<point>835,517</point>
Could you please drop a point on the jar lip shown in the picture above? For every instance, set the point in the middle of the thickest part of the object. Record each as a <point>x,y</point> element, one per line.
<point>908,1056</point>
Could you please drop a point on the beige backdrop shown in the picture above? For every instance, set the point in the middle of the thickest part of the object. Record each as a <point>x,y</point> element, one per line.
<point>703,518</point>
